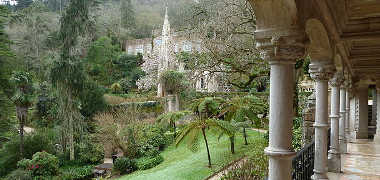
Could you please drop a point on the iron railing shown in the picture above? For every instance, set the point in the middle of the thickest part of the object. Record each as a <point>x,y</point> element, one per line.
<point>303,163</point>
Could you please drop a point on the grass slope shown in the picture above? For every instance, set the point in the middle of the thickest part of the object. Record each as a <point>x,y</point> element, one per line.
<point>180,163</point>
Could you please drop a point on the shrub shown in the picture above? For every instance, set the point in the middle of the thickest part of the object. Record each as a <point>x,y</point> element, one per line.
<point>20,174</point>
<point>173,81</point>
<point>34,142</point>
<point>42,164</point>
<point>89,151</point>
<point>92,99</point>
<point>76,173</point>
<point>125,165</point>
<point>149,162</point>
<point>116,88</point>
<point>256,167</point>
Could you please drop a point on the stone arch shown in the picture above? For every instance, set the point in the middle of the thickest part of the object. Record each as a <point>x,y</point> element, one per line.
<point>283,13</point>
<point>319,48</point>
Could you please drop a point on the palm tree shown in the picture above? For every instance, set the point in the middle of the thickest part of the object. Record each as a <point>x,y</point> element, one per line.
<point>242,110</point>
<point>193,130</point>
<point>171,118</point>
<point>23,99</point>
<point>206,109</point>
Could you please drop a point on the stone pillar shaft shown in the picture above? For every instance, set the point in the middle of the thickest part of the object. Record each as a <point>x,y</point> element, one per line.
<point>321,125</point>
<point>321,73</point>
<point>377,135</point>
<point>342,122</point>
<point>347,118</point>
<point>362,132</point>
<point>280,149</point>
<point>374,109</point>
<point>334,156</point>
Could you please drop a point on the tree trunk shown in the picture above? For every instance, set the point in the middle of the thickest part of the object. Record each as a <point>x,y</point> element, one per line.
<point>71,139</point>
<point>232,140</point>
<point>175,133</point>
<point>21,115</point>
<point>208,151</point>
<point>245,136</point>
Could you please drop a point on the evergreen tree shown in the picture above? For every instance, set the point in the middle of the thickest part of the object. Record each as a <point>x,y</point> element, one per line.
<point>128,20</point>
<point>67,74</point>
<point>6,56</point>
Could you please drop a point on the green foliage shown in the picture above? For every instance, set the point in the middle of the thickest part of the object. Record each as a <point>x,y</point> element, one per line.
<point>256,166</point>
<point>153,137</point>
<point>149,162</point>
<point>171,117</point>
<point>92,100</point>
<point>125,165</point>
<point>106,64</point>
<point>41,164</point>
<point>23,83</point>
<point>20,174</point>
<point>193,130</point>
<point>297,134</point>
<point>206,107</point>
<point>116,88</point>
<point>77,172</point>
<point>89,151</point>
<point>127,14</point>
<point>34,142</point>
<point>173,81</point>
<point>246,108</point>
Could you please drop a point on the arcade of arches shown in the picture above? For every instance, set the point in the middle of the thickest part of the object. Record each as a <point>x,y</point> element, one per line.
<point>342,38</point>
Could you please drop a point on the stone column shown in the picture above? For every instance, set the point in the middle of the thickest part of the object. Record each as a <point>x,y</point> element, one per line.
<point>280,149</point>
<point>362,130</point>
<point>342,121</point>
<point>347,118</point>
<point>377,135</point>
<point>374,107</point>
<point>334,155</point>
<point>321,73</point>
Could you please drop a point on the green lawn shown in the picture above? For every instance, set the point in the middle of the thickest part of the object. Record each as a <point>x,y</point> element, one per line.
<point>180,163</point>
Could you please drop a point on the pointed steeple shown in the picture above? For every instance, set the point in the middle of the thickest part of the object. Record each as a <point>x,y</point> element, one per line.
<point>166,27</point>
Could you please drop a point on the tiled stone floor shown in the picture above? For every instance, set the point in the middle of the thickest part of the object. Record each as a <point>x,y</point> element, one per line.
<point>362,162</point>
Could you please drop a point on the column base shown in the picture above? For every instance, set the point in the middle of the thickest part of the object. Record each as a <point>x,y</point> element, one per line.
<point>361,135</point>
<point>334,164</point>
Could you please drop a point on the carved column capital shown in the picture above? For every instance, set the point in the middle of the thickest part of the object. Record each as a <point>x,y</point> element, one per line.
<point>337,80</point>
<point>281,48</point>
<point>321,72</point>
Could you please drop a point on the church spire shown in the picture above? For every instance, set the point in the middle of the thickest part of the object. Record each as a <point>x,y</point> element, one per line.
<point>166,27</point>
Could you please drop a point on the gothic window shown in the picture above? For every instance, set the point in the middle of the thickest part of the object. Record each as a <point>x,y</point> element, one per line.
<point>202,83</point>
